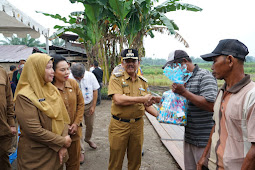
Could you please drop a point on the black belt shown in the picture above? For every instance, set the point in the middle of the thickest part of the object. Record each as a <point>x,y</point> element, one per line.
<point>126,120</point>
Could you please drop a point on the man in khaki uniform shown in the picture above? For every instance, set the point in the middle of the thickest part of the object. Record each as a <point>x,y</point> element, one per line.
<point>7,123</point>
<point>130,98</point>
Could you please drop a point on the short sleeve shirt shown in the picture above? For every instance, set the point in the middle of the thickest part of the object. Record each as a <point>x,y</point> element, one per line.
<point>234,125</point>
<point>200,122</point>
<point>121,83</point>
<point>88,84</point>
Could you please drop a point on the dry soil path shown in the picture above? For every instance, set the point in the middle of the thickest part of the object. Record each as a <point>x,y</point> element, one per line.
<point>156,156</point>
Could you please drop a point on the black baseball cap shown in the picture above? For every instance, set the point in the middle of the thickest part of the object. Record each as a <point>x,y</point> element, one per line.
<point>175,55</point>
<point>228,47</point>
<point>129,53</point>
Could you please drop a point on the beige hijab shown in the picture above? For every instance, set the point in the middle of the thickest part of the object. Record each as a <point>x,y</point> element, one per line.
<point>44,96</point>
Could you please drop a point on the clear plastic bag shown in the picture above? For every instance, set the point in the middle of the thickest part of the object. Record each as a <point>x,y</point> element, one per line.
<point>172,109</point>
<point>173,106</point>
<point>177,73</point>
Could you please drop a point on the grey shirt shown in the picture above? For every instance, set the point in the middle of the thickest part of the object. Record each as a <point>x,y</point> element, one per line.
<point>200,122</point>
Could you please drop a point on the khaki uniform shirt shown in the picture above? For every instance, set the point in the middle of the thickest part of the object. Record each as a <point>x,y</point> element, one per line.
<point>121,83</point>
<point>6,104</point>
<point>38,145</point>
<point>10,75</point>
<point>74,102</point>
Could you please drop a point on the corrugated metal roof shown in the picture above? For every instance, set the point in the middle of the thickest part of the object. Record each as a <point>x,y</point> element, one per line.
<point>14,53</point>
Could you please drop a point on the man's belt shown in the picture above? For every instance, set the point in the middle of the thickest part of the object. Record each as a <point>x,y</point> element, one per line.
<point>126,120</point>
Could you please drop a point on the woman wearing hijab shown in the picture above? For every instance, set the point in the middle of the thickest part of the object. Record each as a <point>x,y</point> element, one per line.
<point>42,116</point>
<point>74,102</point>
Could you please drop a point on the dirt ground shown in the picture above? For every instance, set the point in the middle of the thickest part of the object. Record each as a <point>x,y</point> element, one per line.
<point>156,156</point>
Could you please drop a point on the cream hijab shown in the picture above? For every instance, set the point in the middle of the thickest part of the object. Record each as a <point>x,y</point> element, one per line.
<point>44,96</point>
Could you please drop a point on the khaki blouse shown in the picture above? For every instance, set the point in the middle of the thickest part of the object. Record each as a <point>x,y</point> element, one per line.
<point>38,146</point>
<point>74,102</point>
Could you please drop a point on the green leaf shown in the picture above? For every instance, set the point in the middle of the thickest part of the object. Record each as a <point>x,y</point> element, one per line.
<point>172,5</point>
<point>151,34</point>
<point>73,28</point>
<point>134,25</point>
<point>145,5</point>
<point>120,8</point>
<point>72,20</point>
<point>77,13</point>
<point>167,22</point>
<point>93,12</point>
<point>56,16</point>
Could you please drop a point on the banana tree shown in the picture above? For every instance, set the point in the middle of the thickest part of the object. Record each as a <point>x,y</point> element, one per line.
<point>121,9</point>
<point>85,24</point>
<point>148,18</point>
<point>94,14</point>
<point>105,23</point>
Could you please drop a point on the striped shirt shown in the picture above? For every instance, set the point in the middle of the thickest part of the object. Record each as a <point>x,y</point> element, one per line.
<point>200,122</point>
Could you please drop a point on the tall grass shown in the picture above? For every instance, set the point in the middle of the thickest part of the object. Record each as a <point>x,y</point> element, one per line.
<point>155,76</point>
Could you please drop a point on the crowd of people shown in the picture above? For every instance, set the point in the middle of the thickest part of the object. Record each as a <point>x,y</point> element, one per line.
<point>55,108</point>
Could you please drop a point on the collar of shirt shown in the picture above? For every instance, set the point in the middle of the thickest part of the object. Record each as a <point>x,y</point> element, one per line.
<point>127,76</point>
<point>238,86</point>
<point>67,85</point>
<point>195,70</point>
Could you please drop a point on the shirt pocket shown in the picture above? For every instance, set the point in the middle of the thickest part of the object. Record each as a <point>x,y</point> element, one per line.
<point>142,93</point>
<point>2,87</point>
<point>126,91</point>
<point>236,127</point>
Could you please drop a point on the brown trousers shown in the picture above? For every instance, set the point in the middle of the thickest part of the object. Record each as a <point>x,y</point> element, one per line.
<point>87,131</point>
<point>125,137</point>
<point>5,145</point>
<point>73,163</point>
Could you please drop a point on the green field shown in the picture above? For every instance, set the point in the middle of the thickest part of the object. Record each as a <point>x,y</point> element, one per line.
<point>155,77</point>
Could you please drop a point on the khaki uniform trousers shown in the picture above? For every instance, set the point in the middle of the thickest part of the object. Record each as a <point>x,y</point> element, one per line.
<point>124,137</point>
<point>73,163</point>
<point>88,121</point>
<point>5,145</point>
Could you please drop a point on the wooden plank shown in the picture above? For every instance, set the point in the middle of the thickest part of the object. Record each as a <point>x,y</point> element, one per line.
<point>178,129</point>
<point>176,153</point>
<point>161,131</point>
<point>182,128</point>
<point>172,132</point>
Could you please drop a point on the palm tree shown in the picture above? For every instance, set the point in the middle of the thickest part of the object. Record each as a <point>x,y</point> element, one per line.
<point>28,41</point>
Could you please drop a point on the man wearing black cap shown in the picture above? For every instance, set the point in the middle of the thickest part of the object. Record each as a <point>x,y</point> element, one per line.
<point>200,91</point>
<point>231,144</point>
<point>130,96</point>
